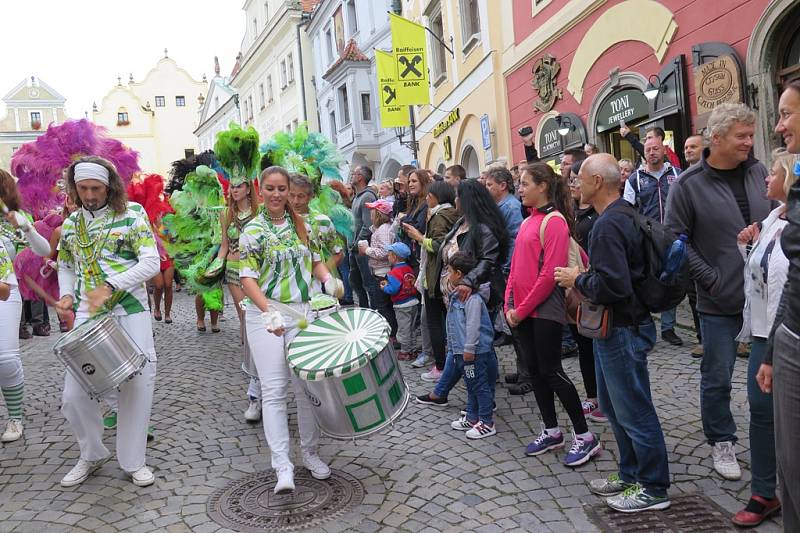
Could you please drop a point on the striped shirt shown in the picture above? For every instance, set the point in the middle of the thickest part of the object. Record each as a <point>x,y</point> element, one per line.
<point>121,242</point>
<point>275,256</point>
<point>323,232</point>
<point>6,268</point>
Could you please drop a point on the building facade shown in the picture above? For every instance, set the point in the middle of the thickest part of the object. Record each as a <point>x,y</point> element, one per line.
<point>585,67</point>
<point>468,121</point>
<point>156,117</point>
<point>344,35</point>
<point>31,106</point>
<point>220,108</point>
<point>274,68</point>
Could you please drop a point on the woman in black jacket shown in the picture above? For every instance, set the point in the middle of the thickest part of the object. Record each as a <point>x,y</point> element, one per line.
<point>480,232</point>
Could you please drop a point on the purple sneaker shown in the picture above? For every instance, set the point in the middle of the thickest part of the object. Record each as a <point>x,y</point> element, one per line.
<point>543,443</point>
<point>582,451</point>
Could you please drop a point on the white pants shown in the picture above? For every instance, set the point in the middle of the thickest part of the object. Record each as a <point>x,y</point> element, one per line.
<point>135,398</point>
<point>10,364</point>
<point>269,354</point>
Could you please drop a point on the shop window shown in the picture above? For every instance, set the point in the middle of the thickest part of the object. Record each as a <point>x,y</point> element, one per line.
<point>161,101</point>
<point>366,107</point>
<point>180,101</point>
<point>344,105</point>
<point>470,24</point>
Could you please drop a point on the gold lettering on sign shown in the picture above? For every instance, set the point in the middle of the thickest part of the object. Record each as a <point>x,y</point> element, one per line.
<point>451,119</point>
<point>716,82</point>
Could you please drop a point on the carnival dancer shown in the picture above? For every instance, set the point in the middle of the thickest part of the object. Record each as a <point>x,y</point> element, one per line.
<point>16,232</point>
<point>106,254</point>
<point>237,152</point>
<point>278,263</point>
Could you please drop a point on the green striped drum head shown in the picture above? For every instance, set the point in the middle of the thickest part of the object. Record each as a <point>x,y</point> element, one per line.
<point>337,344</point>
<point>322,301</point>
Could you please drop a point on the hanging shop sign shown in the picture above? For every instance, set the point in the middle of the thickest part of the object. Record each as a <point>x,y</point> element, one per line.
<point>549,139</point>
<point>551,143</point>
<point>444,125</point>
<point>716,82</point>
<point>625,105</point>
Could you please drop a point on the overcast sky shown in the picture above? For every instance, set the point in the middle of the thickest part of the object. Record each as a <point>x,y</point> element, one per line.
<point>80,47</point>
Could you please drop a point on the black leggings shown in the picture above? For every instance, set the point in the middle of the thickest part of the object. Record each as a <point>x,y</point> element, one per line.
<point>541,341</point>
<point>586,358</point>
<point>435,312</point>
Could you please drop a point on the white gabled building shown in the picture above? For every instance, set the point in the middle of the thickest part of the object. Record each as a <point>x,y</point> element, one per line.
<point>274,67</point>
<point>220,108</point>
<point>344,34</point>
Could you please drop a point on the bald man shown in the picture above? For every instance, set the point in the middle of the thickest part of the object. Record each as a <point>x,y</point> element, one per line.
<point>693,149</point>
<point>616,252</point>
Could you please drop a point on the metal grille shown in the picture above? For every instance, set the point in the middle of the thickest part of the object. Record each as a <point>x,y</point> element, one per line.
<point>689,513</point>
<point>249,505</point>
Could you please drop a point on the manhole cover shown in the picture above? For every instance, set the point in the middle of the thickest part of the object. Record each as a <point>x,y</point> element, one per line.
<point>688,513</point>
<point>249,504</point>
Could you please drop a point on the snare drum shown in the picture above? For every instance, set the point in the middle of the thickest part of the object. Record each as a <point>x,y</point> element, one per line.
<point>100,355</point>
<point>349,373</point>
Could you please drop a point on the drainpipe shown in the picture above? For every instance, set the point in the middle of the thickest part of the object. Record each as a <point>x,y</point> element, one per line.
<point>303,19</point>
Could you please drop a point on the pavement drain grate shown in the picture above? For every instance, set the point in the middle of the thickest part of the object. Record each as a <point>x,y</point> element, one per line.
<point>249,505</point>
<point>688,513</point>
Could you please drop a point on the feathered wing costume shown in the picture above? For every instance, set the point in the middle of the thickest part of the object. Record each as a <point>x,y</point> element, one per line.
<point>313,155</point>
<point>149,192</point>
<point>193,233</point>
<point>38,165</point>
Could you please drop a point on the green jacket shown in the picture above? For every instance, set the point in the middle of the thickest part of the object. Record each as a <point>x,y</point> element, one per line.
<point>439,225</point>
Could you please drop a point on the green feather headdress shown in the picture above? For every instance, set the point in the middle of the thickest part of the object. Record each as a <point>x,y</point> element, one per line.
<point>237,152</point>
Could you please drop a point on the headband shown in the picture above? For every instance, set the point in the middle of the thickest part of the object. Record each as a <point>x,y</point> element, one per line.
<point>91,171</point>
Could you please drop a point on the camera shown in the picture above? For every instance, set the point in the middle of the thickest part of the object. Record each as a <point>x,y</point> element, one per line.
<point>525,131</point>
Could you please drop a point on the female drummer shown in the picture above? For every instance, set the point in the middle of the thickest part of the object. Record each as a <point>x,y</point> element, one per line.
<point>242,204</point>
<point>16,232</point>
<point>277,265</point>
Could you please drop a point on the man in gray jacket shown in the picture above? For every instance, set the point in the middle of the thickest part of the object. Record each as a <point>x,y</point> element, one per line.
<point>710,203</point>
<point>361,279</point>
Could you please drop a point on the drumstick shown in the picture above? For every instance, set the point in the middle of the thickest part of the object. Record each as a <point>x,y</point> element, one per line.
<point>35,287</point>
<point>302,321</point>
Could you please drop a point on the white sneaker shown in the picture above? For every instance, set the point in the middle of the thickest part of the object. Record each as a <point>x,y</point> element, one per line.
<point>13,430</point>
<point>422,360</point>
<point>253,412</point>
<point>462,424</point>
<point>285,480</point>
<point>315,465</point>
<point>142,477</point>
<point>432,376</point>
<point>725,463</point>
<point>81,471</point>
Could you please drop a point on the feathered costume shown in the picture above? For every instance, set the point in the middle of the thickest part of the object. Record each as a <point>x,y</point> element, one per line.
<point>313,155</point>
<point>149,192</point>
<point>192,232</point>
<point>39,165</point>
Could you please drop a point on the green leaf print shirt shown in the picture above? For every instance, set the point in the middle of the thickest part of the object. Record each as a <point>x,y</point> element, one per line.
<point>277,258</point>
<point>6,268</point>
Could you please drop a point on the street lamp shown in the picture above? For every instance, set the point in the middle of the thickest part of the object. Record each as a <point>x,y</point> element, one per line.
<point>653,88</point>
<point>411,144</point>
<point>564,125</point>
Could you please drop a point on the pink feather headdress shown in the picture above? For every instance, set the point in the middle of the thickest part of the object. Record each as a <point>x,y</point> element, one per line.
<point>38,165</point>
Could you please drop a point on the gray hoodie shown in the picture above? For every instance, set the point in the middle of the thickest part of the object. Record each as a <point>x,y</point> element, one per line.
<point>702,206</point>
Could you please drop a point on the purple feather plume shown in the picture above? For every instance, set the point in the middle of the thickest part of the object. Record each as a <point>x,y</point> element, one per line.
<point>29,264</point>
<point>38,165</point>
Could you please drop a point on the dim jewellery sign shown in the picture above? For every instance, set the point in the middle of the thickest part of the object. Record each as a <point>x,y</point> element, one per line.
<point>716,82</point>
<point>549,139</point>
<point>444,125</point>
<point>622,106</point>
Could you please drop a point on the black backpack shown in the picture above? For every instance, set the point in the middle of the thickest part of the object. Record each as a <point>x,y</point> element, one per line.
<point>655,295</point>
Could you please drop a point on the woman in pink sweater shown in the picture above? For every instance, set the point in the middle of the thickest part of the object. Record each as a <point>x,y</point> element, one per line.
<point>536,313</point>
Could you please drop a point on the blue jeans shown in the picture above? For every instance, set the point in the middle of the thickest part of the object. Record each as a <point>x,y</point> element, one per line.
<point>344,273</point>
<point>362,282</point>
<point>480,376</point>
<point>623,390</point>
<point>716,371</point>
<point>451,373</point>
<point>668,320</point>
<point>762,427</point>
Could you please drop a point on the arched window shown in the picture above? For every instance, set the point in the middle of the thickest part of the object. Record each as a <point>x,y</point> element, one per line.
<point>469,160</point>
<point>790,66</point>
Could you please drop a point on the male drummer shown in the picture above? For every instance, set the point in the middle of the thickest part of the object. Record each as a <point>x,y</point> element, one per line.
<point>106,253</point>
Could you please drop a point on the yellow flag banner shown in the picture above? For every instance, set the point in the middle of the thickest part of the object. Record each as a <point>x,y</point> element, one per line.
<point>392,114</point>
<point>411,61</point>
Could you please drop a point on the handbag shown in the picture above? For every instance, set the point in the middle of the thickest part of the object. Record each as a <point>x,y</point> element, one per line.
<point>594,320</point>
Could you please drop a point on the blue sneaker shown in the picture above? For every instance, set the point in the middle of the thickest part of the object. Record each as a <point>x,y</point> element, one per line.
<point>582,450</point>
<point>544,443</point>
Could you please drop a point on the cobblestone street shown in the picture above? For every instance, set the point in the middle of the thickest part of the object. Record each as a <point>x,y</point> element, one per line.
<point>418,476</point>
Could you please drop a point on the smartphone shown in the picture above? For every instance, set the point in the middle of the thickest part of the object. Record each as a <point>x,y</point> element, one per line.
<point>525,131</point>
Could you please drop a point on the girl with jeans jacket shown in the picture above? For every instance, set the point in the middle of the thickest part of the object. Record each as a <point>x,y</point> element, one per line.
<point>536,312</point>
<point>765,272</point>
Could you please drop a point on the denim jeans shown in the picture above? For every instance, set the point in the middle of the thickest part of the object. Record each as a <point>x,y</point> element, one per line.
<point>762,427</point>
<point>668,320</point>
<point>716,371</point>
<point>382,303</point>
<point>786,398</point>
<point>451,373</point>
<point>480,376</point>
<point>623,390</point>
<point>344,273</point>
<point>362,282</point>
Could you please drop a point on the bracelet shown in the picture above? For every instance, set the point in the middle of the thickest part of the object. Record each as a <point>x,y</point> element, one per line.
<point>110,286</point>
